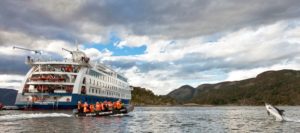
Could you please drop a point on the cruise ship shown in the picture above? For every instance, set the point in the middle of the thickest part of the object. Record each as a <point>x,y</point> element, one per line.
<point>61,84</point>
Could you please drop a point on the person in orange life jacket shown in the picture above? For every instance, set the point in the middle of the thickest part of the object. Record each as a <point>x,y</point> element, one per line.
<point>85,107</point>
<point>105,104</point>
<point>98,107</point>
<point>110,105</point>
<point>92,108</point>
<point>79,107</point>
<point>102,106</point>
<point>118,104</point>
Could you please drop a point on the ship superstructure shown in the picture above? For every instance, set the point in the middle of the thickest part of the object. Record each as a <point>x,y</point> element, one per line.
<point>61,84</point>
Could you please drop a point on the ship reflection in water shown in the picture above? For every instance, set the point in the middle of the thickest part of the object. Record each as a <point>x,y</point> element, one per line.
<point>152,119</point>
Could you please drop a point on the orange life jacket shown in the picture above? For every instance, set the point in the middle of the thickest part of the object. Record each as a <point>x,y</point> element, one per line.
<point>92,108</point>
<point>102,106</point>
<point>85,108</point>
<point>98,107</point>
<point>119,105</point>
<point>110,106</point>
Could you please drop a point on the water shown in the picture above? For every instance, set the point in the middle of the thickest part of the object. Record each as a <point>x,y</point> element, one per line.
<point>154,119</point>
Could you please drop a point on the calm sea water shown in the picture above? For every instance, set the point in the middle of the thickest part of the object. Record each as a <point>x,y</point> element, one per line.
<point>154,119</point>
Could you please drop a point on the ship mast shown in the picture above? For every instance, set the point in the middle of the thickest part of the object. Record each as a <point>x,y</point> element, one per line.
<point>67,50</point>
<point>26,49</point>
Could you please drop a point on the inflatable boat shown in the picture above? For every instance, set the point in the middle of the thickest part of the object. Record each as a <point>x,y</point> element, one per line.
<point>103,113</point>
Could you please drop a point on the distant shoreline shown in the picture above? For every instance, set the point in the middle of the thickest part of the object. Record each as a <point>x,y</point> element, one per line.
<point>206,105</point>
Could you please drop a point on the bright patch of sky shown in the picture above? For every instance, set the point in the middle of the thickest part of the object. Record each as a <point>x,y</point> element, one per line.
<point>110,45</point>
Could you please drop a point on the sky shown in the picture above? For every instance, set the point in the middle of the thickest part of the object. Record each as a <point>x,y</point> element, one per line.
<point>158,45</point>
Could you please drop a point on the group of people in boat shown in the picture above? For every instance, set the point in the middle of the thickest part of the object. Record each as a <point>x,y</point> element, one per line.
<point>99,106</point>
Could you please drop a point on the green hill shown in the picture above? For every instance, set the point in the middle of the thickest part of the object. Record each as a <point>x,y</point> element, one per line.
<point>183,94</point>
<point>142,96</point>
<point>8,96</point>
<point>275,87</point>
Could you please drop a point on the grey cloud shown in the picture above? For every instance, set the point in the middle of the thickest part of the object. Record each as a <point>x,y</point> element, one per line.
<point>169,18</point>
<point>13,65</point>
<point>22,16</point>
<point>143,66</point>
<point>36,22</point>
<point>175,19</point>
<point>194,65</point>
<point>13,81</point>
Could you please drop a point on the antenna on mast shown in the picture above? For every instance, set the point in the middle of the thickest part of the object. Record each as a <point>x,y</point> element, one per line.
<point>67,50</point>
<point>26,49</point>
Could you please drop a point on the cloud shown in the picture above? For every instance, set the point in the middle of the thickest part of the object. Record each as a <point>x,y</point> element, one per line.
<point>97,55</point>
<point>245,52</point>
<point>185,19</point>
<point>11,81</point>
<point>133,41</point>
<point>250,73</point>
<point>187,42</point>
<point>12,65</point>
<point>92,20</point>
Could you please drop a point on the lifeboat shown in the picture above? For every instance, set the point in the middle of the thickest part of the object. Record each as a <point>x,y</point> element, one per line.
<point>49,77</point>
<point>38,78</point>
<point>43,78</point>
<point>61,79</point>
<point>122,111</point>
<point>68,68</point>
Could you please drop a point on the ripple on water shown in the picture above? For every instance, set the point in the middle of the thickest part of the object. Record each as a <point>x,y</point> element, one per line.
<point>159,119</point>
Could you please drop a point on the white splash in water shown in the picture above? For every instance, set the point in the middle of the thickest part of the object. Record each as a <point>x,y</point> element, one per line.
<point>30,116</point>
<point>290,119</point>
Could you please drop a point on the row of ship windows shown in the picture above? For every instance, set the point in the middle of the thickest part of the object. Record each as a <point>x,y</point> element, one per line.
<point>100,84</point>
<point>107,93</point>
<point>108,79</point>
<point>113,88</point>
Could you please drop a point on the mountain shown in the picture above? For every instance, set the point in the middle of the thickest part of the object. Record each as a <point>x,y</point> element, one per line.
<point>183,94</point>
<point>8,96</point>
<point>275,87</point>
<point>142,96</point>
